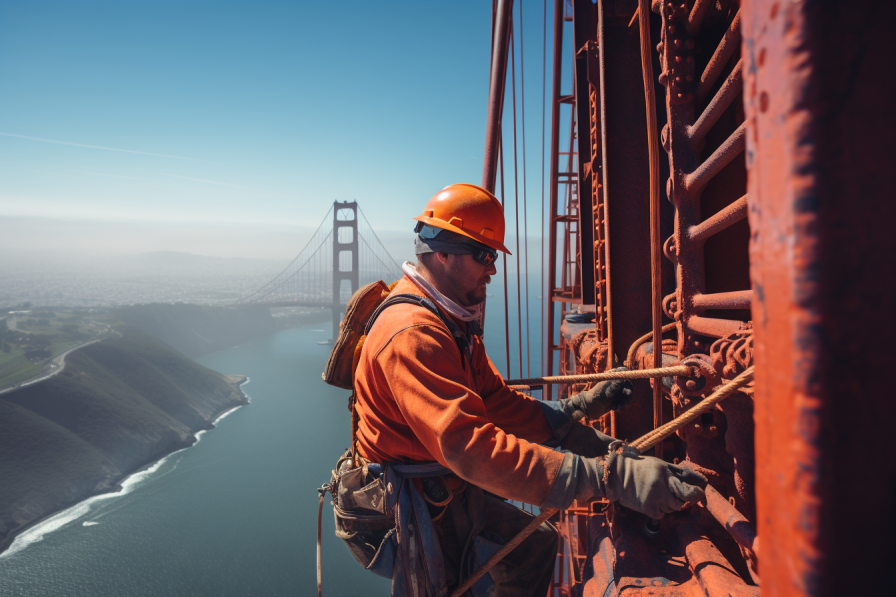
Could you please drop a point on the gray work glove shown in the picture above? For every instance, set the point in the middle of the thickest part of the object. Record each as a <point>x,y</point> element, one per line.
<point>586,441</point>
<point>643,483</point>
<point>599,400</point>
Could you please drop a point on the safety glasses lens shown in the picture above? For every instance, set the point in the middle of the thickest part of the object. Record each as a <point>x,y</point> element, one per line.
<point>428,232</point>
<point>486,257</point>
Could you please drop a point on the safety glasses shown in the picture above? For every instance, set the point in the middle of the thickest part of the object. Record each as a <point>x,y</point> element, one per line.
<point>481,253</point>
<point>485,255</point>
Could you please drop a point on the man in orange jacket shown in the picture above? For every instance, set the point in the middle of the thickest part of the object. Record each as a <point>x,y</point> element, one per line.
<point>425,391</point>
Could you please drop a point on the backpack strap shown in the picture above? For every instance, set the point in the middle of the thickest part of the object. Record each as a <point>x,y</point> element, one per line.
<point>461,338</point>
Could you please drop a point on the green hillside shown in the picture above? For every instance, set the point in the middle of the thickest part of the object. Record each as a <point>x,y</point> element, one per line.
<point>118,406</point>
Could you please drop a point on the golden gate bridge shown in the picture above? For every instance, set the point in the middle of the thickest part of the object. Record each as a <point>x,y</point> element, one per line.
<point>343,254</point>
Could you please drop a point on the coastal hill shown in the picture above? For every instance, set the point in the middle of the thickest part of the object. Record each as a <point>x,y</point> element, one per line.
<point>118,406</point>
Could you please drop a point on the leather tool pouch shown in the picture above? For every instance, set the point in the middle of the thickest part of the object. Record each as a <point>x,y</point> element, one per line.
<point>361,521</point>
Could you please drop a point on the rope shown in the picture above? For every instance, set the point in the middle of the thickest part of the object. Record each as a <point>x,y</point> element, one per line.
<point>641,444</point>
<point>678,370</point>
<point>657,435</point>
<point>499,555</point>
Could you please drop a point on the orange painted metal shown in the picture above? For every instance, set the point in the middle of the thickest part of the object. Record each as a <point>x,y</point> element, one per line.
<point>820,119</point>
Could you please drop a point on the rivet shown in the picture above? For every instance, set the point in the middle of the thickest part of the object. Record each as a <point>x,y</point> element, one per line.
<point>689,43</point>
<point>689,78</point>
<point>671,29</point>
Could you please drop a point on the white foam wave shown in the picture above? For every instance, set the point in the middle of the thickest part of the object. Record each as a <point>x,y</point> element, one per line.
<point>54,523</point>
<point>65,517</point>
<point>61,519</point>
<point>224,414</point>
<point>88,523</point>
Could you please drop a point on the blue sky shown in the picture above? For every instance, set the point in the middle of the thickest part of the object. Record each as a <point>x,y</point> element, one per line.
<point>248,113</point>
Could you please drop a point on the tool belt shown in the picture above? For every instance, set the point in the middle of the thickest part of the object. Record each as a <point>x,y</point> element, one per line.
<point>359,507</point>
<point>387,522</point>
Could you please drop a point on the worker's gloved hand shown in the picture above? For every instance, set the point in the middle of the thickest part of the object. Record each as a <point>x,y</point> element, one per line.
<point>586,441</point>
<point>643,483</point>
<point>602,398</point>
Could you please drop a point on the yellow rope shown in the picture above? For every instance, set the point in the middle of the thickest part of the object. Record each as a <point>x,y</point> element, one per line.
<point>679,370</point>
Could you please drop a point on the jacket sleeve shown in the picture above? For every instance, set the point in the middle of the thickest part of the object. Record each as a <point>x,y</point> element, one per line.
<point>512,411</point>
<point>424,372</point>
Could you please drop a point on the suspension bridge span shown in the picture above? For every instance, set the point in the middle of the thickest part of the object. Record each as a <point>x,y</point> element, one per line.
<point>343,254</point>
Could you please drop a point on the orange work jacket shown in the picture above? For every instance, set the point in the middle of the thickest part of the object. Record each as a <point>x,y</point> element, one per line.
<point>419,400</point>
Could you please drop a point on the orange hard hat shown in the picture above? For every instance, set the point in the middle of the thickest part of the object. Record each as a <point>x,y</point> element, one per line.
<point>469,210</point>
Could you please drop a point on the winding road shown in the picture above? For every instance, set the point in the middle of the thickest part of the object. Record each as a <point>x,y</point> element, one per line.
<point>56,365</point>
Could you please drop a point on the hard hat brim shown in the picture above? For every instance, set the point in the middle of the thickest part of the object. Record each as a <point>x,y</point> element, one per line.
<point>488,242</point>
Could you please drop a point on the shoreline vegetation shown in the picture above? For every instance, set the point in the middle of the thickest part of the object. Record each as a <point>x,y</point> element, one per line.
<point>120,407</point>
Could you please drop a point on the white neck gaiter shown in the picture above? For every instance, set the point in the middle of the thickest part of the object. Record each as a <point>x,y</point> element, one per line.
<point>463,313</point>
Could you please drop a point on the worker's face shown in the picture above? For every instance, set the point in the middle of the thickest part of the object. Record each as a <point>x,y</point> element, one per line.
<point>467,278</point>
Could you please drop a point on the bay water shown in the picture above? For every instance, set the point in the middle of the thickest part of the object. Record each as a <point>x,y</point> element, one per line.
<point>236,514</point>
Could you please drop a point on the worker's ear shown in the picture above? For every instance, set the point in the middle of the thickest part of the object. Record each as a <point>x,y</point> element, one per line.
<point>442,258</point>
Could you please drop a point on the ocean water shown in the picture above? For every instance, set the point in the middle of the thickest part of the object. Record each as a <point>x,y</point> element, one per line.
<point>236,514</point>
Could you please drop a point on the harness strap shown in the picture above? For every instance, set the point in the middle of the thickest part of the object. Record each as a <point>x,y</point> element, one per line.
<point>460,337</point>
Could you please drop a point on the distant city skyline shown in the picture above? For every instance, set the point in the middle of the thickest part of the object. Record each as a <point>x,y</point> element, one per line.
<point>168,115</point>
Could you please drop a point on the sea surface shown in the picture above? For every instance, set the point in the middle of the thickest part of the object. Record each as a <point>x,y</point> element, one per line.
<point>236,514</point>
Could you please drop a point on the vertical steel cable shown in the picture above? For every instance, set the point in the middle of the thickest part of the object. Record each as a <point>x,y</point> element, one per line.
<point>516,198</point>
<point>525,205</point>
<point>506,306</point>
<point>544,67</point>
<point>655,240</point>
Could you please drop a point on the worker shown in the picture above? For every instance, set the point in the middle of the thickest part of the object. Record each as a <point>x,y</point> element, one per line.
<point>426,392</point>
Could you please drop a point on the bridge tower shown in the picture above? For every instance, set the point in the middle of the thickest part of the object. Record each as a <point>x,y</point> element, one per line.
<point>345,255</point>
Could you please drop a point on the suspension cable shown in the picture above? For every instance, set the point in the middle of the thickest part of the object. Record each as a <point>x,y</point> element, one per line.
<point>516,198</point>
<point>525,208</point>
<point>544,66</point>
<point>506,308</point>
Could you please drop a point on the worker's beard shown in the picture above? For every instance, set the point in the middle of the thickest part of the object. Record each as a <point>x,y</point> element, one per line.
<point>466,293</point>
<point>477,295</point>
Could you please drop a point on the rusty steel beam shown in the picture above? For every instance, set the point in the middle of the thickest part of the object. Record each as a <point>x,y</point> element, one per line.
<point>734,522</point>
<point>730,89</point>
<point>714,224</point>
<point>821,200</point>
<point>721,157</point>
<point>723,53</point>
<point>697,14</point>
<point>739,299</point>
<point>497,80</point>
<point>712,326</point>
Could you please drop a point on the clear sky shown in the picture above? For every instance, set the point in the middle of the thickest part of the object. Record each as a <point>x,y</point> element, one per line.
<point>248,113</point>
